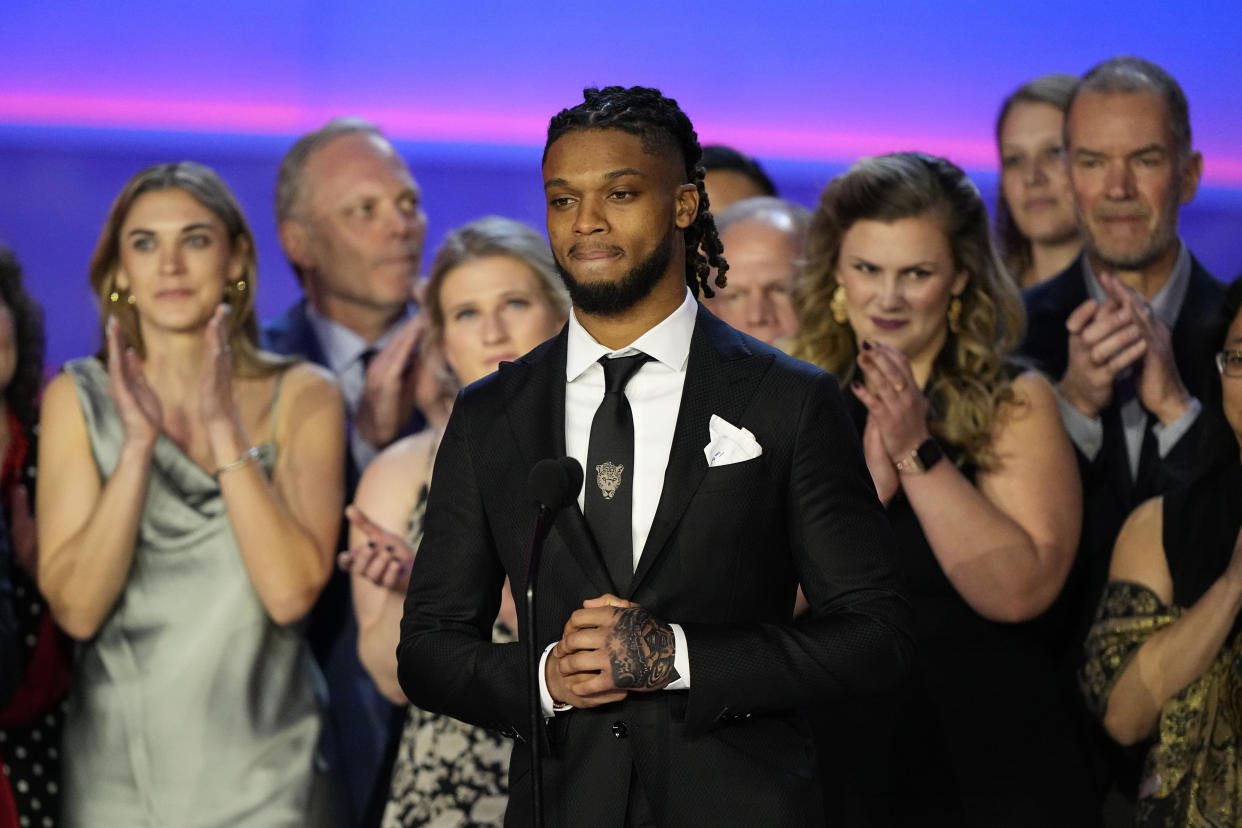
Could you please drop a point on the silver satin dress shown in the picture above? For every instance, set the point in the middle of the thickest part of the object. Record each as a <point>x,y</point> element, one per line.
<point>190,707</point>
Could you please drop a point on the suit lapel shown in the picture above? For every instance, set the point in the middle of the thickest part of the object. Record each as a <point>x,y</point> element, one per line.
<point>721,376</point>
<point>535,400</point>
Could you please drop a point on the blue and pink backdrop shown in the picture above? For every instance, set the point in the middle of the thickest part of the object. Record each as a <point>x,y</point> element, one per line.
<point>91,92</point>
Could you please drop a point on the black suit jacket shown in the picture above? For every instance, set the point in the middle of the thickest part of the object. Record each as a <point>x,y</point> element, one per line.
<point>728,547</point>
<point>1110,492</point>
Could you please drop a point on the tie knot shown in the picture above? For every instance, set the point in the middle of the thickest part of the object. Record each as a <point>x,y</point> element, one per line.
<point>366,356</point>
<point>619,371</point>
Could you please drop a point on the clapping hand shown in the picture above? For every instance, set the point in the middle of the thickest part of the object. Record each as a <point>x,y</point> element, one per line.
<point>1104,340</point>
<point>896,411</point>
<point>1159,385</point>
<point>139,409</point>
<point>391,389</point>
<point>384,558</point>
<point>216,381</point>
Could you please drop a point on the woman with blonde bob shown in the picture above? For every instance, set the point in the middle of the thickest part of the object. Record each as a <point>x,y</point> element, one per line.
<point>492,295</point>
<point>187,515</point>
<point>903,297</point>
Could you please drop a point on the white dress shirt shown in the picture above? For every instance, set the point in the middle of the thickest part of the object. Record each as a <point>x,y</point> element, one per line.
<point>343,350</point>
<point>654,394</point>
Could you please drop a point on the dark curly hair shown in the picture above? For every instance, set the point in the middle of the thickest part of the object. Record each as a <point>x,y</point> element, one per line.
<point>662,126</point>
<point>22,393</point>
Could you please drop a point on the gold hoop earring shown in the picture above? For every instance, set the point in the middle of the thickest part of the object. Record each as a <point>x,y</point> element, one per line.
<point>837,306</point>
<point>955,314</point>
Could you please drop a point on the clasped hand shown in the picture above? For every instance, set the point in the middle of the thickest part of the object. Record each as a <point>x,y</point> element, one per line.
<point>608,648</point>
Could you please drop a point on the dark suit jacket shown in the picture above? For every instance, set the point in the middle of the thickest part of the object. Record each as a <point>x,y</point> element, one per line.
<point>1109,491</point>
<point>727,548</point>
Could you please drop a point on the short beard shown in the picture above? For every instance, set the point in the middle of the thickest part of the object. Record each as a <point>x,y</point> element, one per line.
<point>1162,238</point>
<point>615,298</point>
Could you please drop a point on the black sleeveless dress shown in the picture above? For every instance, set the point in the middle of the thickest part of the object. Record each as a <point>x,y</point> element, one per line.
<point>979,736</point>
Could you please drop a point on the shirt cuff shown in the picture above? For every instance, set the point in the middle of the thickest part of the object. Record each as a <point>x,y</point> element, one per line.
<point>681,660</point>
<point>550,708</point>
<point>1168,436</point>
<point>1086,432</point>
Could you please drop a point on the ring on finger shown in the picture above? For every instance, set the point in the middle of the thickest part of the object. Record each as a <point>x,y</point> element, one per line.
<point>899,387</point>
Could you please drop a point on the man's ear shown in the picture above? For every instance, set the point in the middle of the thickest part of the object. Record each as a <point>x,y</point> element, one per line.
<point>687,205</point>
<point>1192,171</point>
<point>295,239</point>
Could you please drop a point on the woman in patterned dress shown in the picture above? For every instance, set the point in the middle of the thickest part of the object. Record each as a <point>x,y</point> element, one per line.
<point>1164,657</point>
<point>492,295</point>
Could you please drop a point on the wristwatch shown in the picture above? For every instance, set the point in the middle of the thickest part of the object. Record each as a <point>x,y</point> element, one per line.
<point>922,458</point>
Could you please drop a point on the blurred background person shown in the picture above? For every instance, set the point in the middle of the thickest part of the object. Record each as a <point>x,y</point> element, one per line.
<point>187,509</point>
<point>732,176</point>
<point>492,295</point>
<point>350,219</point>
<point>1035,222</point>
<point>905,300</point>
<point>1161,670</point>
<point>36,666</point>
<point>763,238</point>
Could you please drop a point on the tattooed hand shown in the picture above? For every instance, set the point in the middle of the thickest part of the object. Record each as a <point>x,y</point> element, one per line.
<point>640,650</point>
<point>609,648</point>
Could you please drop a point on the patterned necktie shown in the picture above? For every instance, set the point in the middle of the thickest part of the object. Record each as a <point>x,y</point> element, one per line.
<point>610,471</point>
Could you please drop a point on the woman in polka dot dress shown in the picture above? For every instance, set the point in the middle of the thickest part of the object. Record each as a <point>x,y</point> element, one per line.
<point>32,712</point>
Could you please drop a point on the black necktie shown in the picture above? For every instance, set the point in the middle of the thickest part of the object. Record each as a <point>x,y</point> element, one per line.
<point>610,471</point>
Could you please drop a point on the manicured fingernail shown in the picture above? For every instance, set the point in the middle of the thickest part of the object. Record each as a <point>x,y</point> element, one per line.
<point>866,345</point>
<point>390,549</point>
<point>371,544</point>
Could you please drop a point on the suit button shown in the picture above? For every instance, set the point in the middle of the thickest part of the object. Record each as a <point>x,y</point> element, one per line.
<point>620,730</point>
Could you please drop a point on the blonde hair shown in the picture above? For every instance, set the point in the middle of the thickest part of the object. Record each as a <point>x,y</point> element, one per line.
<point>968,382</point>
<point>207,188</point>
<point>494,236</point>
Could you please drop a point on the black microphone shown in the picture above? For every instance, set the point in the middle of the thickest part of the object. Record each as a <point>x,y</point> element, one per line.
<point>553,485</point>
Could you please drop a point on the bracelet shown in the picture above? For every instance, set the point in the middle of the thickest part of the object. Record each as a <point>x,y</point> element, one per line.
<point>249,455</point>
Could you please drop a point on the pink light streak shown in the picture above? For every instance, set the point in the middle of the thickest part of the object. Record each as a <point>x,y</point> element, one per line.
<point>282,118</point>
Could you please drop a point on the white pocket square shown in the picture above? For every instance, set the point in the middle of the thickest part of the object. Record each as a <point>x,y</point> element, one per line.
<point>729,444</point>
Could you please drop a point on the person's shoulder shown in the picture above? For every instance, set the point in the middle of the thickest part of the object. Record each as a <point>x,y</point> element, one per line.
<point>306,383</point>
<point>286,334</point>
<point>397,468</point>
<point>1058,295</point>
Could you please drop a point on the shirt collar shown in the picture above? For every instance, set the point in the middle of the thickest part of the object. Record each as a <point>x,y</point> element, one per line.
<point>667,343</point>
<point>1167,303</point>
<point>341,346</point>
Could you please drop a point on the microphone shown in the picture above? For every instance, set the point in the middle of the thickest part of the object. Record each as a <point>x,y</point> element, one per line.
<point>553,484</point>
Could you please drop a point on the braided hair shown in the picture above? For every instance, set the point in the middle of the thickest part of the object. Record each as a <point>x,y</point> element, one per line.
<point>662,127</point>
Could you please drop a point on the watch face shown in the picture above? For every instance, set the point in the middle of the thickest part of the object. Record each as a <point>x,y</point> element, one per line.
<point>929,453</point>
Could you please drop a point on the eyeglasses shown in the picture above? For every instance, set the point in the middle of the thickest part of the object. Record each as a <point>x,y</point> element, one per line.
<point>1229,363</point>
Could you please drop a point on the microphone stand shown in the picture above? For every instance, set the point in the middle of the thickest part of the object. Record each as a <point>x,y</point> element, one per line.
<point>543,524</point>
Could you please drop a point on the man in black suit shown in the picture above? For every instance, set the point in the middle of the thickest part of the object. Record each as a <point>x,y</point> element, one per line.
<point>1121,328</point>
<point>673,674</point>
<point>351,222</point>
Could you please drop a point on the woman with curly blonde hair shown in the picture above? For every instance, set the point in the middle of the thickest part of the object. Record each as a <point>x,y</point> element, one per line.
<point>903,297</point>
